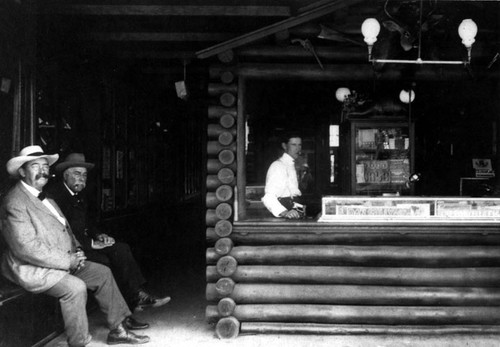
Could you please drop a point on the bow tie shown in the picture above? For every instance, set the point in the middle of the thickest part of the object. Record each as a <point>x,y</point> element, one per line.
<point>42,196</point>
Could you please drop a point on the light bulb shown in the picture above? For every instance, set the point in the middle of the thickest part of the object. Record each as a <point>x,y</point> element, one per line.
<point>404,96</point>
<point>467,31</point>
<point>342,94</point>
<point>370,29</point>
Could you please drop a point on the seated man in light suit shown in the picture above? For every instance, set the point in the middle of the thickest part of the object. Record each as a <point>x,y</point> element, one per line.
<point>43,256</point>
<point>282,189</point>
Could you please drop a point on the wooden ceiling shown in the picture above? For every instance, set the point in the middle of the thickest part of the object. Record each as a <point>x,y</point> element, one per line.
<point>256,30</point>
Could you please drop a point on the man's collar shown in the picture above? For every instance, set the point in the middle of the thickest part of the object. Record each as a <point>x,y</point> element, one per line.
<point>30,189</point>
<point>69,189</point>
<point>287,157</point>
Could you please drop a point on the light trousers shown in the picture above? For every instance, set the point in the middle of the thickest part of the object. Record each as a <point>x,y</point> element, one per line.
<point>71,291</point>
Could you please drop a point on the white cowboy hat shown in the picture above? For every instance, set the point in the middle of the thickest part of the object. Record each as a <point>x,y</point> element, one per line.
<point>26,154</point>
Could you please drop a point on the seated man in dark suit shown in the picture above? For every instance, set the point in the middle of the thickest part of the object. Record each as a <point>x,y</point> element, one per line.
<point>98,246</point>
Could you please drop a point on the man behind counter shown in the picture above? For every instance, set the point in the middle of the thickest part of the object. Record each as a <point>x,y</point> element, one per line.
<point>282,188</point>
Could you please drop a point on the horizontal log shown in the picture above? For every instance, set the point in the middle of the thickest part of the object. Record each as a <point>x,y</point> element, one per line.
<point>215,130</point>
<point>214,166</point>
<point>420,256</point>
<point>353,72</point>
<point>223,228</point>
<point>215,147</point>
<point>354,329</point>
<point>358,295</point>
<point>224,193</point>
<point>392,276</point>
<point>244,236</point>
<point>360,314</point>
<point>226,156</point>
<point>215,89</point>
<point>227,328</point>
<point>226,307</point>
<point>227,77</point>
<point>223,246</point>
<point>212,182</point>
<point>226,138</point>
<point>211,200</point>
<point>211,217</point>
<point>226,266</point>
<point>224,286</point>
<point>217,111</point>
<point>227,99</point>
<point>223,211</point>
<point>227,120</point>
<point>226,175</point>
<point>226,56</point>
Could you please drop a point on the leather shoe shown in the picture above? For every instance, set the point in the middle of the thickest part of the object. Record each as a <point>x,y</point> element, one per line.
<point>122,335</point>
<point>133,324</point>
<point>145,300</point>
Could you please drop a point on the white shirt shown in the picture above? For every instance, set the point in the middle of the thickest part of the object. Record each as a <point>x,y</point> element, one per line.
<point>46,202</point>
<point>281,181</point>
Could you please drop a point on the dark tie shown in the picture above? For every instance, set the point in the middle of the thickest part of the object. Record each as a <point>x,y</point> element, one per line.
<point>42,196</point>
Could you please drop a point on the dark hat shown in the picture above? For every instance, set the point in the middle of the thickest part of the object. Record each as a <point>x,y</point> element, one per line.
<point>27,154</point>
<point>73,160</point>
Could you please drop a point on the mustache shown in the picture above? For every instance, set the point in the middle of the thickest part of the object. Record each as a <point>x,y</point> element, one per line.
<point>43,175</point>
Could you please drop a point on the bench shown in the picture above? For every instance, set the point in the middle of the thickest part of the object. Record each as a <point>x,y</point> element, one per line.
<point>26,319</point>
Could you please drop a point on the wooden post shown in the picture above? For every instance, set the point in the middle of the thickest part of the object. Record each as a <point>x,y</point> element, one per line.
<point>215,147</point>
<point>224,193</point>
<point>226,138</point>
<point>226,156</point>
<point>227,77</point>
<point>217,89</point>
<point>223,211</point>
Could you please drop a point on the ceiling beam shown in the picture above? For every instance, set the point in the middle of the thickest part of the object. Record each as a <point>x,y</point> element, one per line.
<point>155,37</point>
<point>150,10</point>
<point>314,13</point>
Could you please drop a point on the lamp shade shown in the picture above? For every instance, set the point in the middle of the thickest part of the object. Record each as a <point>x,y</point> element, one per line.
<point>342,93</point>
<point>370,29</point>
<point>467,31</point>
<point>404,96</point>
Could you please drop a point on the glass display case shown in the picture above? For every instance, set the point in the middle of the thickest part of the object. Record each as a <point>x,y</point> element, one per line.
<point>380,156</point>
<point>410,209</point>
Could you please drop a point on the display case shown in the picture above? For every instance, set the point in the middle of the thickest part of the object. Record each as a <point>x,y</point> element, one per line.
<point>379,156</point>
<point>410,209</point>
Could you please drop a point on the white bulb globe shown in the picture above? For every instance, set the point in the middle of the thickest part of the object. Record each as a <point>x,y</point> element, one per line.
<point>342,93</point>
<point>370,29</point>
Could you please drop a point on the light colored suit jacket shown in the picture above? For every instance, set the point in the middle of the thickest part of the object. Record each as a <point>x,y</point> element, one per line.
<point>39,249</point>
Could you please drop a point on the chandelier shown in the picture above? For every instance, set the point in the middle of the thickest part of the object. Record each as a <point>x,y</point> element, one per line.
<point>467,31</point>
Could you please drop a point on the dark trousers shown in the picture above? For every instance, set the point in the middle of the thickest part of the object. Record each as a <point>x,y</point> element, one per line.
<point>125,269</point>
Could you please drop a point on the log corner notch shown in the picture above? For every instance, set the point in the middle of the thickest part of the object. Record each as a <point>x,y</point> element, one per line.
<point>220,192</point>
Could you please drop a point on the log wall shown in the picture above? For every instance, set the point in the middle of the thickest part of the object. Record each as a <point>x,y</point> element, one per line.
<point>319,278</point>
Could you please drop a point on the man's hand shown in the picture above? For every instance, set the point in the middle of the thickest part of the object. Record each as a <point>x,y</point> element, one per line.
<point>105,239</point>
<point>290,214</point>
<point>77,260</point>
